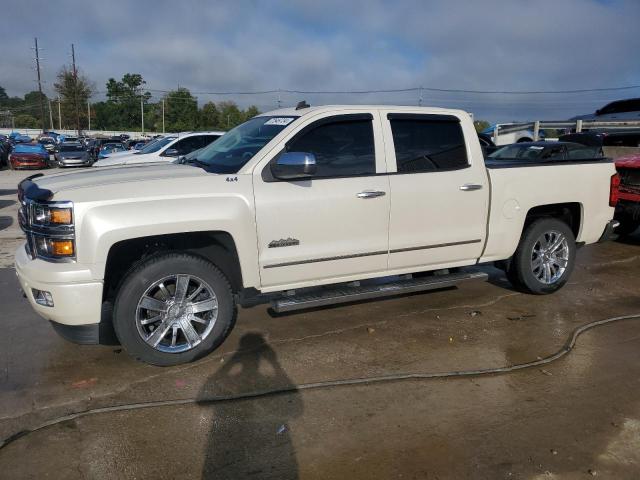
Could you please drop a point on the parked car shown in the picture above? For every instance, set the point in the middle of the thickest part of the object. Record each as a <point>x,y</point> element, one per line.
<point>110,148</point>
<point>48,143</point>
<point>507,137</point>
<point>5,148</point>
<point>627,109</point>
<point>620,110</point>
<point>300,208</point>
<point>22,139</point>
<point>73,154</point>
<point>28,156</point>
<point>535,152</point>
<point>628,206</point>
<point>164,149</point>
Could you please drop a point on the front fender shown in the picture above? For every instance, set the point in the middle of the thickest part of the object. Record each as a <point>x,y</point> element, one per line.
<point>103,225</point>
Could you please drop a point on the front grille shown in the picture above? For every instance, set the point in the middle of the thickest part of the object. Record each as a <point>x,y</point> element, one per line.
<point>630,177</point>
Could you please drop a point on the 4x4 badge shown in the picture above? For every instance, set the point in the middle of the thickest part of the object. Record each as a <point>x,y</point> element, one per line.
<point>289,242</point>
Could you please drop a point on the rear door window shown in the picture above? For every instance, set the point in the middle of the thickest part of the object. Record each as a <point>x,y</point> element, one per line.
<point>428,143</point>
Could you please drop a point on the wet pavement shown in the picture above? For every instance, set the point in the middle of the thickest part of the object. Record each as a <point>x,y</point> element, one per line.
<point>571,419</point>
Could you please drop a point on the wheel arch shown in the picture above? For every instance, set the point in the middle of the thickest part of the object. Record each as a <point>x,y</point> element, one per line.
<point>568,212</point>
<point>218,247</point>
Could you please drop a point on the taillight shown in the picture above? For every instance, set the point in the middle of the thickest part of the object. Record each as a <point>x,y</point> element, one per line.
<point>614,190</point>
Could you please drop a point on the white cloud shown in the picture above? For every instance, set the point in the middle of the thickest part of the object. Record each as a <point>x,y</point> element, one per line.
<point>338,45</point>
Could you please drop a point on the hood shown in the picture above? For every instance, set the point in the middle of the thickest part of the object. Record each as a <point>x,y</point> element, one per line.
<point>628,161</point>
<point>121,153</point>
<point>123,158</point>
<point>93,177</point>
<point>79,154</point>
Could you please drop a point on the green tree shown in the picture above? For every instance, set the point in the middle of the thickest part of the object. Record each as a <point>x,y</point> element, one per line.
<point>126,95</point>
<point>230,115</point>
<point>209,117</point>
<point>481,125</point>
<point>181,111</point>
<point>74,92</point>
<point>251,112</point>
<point>26,121</point>
<point>32,106</point>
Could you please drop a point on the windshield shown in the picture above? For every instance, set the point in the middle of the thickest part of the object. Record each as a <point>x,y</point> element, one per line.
<point>157,145</point>
<point>235,148</point>
<point>71,148</point>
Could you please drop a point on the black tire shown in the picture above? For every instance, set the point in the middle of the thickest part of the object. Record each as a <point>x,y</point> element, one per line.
<point>521,273</point>
<point>141,277</point>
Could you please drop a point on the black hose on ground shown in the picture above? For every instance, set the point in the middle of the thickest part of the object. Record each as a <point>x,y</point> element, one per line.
<point>568,346</point>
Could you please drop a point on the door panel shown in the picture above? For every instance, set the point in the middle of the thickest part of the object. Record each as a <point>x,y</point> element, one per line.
<point>321,230</point>
<point>439,194</point>
<point>339,234</point>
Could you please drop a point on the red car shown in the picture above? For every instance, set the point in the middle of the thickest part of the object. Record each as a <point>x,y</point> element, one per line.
<point>628,206</point>
<point>28,156</point>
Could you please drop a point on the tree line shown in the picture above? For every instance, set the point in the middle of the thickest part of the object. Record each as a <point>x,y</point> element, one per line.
<point>122,109</point>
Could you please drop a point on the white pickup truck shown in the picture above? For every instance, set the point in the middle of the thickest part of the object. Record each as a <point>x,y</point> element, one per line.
<point>300,207</point>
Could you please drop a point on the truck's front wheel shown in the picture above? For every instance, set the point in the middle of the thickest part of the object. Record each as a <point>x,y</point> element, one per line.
<point>173,309</point>
<point>544,258</point>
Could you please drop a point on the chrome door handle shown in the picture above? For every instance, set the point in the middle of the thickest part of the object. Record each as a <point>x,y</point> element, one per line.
<point>370,194</point>
<point>469,187</point>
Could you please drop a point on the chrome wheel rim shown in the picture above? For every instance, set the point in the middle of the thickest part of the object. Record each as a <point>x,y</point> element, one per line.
<point>550,257</point>
<point>176,313</point>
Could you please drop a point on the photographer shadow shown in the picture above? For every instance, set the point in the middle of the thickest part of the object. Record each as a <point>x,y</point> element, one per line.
<point>250,437</point>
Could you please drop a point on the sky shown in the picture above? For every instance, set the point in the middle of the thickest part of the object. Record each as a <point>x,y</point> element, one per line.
<point>341,45</point>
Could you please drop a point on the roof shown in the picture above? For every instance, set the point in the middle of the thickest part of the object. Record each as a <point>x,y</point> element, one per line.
<point>291,111</point>
<point>28,148</point>
<point>186,134</point>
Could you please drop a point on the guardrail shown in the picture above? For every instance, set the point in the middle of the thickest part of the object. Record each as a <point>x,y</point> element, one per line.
<point>578,125</point>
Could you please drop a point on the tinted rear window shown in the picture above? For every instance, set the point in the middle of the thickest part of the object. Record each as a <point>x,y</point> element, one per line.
<point>426,145</point>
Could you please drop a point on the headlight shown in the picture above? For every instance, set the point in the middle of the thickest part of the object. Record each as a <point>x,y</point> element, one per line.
<point>45,215</point>
<point>50,230</point>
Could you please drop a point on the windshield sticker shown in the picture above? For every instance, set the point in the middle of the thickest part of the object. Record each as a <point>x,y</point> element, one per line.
<point>279,121</point>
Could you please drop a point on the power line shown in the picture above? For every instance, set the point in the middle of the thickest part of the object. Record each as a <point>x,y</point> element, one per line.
<point>410,89</point>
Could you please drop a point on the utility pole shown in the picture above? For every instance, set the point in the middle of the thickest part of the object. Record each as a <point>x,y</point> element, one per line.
<point>75,87</point>
<point>39,85</point>
<point>142,110</point>
<point>89,114</point>
<point>163,115</point>
<point>50,115</point>
<point>59,115</point>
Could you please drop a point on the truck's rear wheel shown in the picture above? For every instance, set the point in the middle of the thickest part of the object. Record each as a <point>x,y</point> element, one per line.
<point>544,258</point>
<point>173,309</point>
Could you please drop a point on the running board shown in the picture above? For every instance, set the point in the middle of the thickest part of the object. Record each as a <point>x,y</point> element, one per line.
<point>347,293</point>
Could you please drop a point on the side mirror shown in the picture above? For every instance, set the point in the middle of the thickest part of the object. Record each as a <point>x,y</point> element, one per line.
<point>294,165</point>
<point>171,152</point>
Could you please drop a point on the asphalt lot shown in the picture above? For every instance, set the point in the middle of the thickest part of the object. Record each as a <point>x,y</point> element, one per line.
<point>571,419</point>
